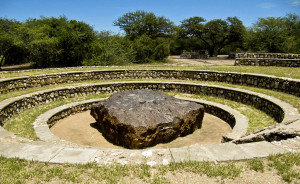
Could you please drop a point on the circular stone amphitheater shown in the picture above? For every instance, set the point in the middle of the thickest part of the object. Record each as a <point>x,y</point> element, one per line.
<point>79,90</point>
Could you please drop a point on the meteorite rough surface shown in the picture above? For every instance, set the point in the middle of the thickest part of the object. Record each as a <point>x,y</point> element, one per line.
<point>142,118</point>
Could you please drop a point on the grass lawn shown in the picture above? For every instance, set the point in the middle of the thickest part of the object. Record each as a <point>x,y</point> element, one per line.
<point>276,71</point>
<point>285,166</point>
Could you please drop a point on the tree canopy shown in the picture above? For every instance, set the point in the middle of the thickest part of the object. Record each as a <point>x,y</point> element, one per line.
<point>138,23</point>
<point>60,42</point>
<point>275,34</point>
<point>215,34</point>
<point>12,46</point>
<point>149,34</point>
<point>47,42</point>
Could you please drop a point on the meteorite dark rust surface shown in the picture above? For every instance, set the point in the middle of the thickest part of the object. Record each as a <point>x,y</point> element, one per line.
<point>143,118</point>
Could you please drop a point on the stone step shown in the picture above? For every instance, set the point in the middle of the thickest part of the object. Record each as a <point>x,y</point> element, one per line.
<point>225,152</point>
<point>43,152</point>
<point>261,149</point>
<point>74,155</point>
<point>46,152</point>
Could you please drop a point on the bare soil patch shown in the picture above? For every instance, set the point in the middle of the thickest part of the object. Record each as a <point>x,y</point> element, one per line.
<point>82,129</point>
<point>219,60</point>
<point>16,67</point>
<point>247,177</point>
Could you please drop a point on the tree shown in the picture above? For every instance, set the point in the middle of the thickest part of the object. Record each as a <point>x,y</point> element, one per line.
<point>292,26</point>
<point>275,34</point>
<point>215,34</point>
<point>110,49</point>
<point>148,50</point>
<point>270,33</point>
<point>149,34</point>
<point>58,42</point>
<point>237,34</point>
<point>12,47</point>
<point>75,41</point>
<point>136,24</point>
<point>192,27</point>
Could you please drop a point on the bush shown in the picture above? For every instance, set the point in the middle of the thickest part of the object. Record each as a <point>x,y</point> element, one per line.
<point>161,51</point>
<point>149,50</point>
<point>58,42</point>
<point>110,50</point>
<point>12,47</point>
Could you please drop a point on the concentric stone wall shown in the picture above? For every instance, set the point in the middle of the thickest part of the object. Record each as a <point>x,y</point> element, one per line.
<point>213,110</point>
<point>57,151</point>
<point>237,121</point>
<point>286,85</point>
<point>263,102</point>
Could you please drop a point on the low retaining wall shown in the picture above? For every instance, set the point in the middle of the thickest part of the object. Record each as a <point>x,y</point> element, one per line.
<point>286,85</point>
<point>268,59</point>
<point>196,54</point>
<point>268,62</point>
<point>237,121</point>
<point>268,55</point>
<point>280,111</point>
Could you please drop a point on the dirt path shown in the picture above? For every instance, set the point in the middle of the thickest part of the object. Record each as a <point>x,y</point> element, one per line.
<point>81,129</point>
<point>16,67</point>
<point>220,60</point>
<point>175,61</point>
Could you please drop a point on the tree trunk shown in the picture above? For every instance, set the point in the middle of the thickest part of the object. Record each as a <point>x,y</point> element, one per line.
<point>211,51</point>
<point>1,60</point>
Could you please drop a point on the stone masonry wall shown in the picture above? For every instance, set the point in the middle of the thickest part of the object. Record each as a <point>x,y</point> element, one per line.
<point>18,104</point>
<point>214,110</point>
<point>286,85</point>
<point>67,112</point>
<point>268,59</point>
<point>268,55</point>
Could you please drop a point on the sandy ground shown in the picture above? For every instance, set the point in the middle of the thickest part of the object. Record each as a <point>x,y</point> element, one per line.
<point>175,61</point>
<point>16,67</point>
<point>247,177</point>
<point>82,129</point>
<point>220,60</point>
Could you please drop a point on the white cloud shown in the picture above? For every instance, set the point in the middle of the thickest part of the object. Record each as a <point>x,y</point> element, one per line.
<point>269,5</point>
<point>295,2</point>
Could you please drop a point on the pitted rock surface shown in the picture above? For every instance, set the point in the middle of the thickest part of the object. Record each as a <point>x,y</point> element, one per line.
<point>143,118</point>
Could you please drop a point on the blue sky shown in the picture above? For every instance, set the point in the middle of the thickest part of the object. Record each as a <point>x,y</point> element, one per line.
<point>102,13</point>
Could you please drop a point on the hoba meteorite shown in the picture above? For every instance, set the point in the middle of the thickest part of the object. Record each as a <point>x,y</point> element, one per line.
<point>142,118</point>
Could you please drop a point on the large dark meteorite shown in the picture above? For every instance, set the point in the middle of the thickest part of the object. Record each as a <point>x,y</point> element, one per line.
<point>142,118</point>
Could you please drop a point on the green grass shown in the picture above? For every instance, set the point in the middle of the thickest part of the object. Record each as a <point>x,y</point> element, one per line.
<point>287,166</point>
<point>276,71</point>
<point>257,119</point>
<point>225,170</point>
<point>22,124</point>
<point>14,170</point>
<point>291,99</point>
<point>256,165</point>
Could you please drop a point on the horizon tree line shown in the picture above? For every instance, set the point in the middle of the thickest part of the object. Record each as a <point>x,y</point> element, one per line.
<point>60,42</point>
